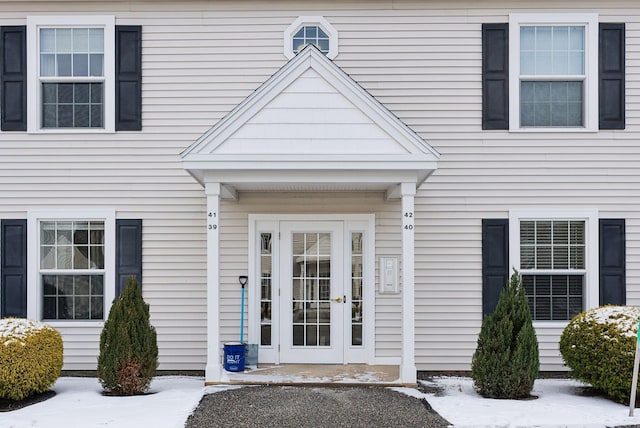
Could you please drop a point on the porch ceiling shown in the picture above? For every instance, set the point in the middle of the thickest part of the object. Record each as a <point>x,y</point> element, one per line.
<point>310,127</point>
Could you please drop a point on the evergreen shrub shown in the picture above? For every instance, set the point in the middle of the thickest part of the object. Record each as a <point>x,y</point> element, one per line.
<point>30,357</point>
<point>128,345</point>
<point>599,345</point>
<point>506,362</point>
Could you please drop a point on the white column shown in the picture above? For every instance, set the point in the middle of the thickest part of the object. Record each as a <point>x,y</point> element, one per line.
<point>408,373</point>
<point>213,370</point>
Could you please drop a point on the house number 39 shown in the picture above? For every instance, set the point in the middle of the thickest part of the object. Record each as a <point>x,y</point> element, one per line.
<point>212,221</point>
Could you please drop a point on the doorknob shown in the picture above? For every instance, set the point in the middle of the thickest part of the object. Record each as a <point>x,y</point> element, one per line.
<point>337,300</point>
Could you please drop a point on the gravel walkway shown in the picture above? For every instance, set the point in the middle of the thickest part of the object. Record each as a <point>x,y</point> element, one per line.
<point>299,406</point>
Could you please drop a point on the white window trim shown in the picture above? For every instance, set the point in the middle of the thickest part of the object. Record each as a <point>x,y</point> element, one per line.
<point>34,109</point>
<point>34,290</point>
<point>590,22</point>
<point>303,21</point>
<point>590,217</point>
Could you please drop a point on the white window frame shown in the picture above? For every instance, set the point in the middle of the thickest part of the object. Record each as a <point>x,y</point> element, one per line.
<point>591,276</point>
<point>306,21</point>
<point>34,88</point>
<point>590,23</point>
<point>34,286</point>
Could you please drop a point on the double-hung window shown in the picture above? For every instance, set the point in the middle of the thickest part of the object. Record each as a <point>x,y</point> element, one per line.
<point>72,268</point>
<point>71,265</point>
<point>554,71</point>
<point>72,84</point>
<point>557,258</point>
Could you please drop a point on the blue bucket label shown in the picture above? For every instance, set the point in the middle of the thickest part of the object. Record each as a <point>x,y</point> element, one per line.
<point>233,358</point>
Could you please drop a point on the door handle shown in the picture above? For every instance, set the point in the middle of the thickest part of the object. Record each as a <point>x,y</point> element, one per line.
<point>338,299</point>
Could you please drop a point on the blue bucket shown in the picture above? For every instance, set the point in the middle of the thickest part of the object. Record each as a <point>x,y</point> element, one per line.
<point>234,356</point>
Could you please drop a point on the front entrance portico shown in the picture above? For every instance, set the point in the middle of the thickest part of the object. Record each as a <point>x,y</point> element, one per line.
<point>311,128</point>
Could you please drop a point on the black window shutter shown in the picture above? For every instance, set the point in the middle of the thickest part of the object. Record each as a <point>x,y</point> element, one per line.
<point>128,252</point>
<point>611,76</point>
<point>13,240</point>
<point>13,78</point>
<point>495,261</point>
<point>128,78</point>
<point>613,289</point>
<point>495,76</point>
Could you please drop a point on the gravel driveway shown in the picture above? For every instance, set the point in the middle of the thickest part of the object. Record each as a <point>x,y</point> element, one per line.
<point>299,406</point>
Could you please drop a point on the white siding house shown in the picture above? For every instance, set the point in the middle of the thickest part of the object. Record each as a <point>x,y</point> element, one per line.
<point>376,187</point>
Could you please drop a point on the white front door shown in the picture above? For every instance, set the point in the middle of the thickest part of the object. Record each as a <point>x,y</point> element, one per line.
<point>312,292</point>
<point>312,295</point>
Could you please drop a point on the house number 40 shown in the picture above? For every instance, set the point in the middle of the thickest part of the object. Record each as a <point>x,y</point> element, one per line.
<point>408,221</point>
<point>212,221</point>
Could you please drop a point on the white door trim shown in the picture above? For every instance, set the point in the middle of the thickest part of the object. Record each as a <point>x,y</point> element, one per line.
<point>260,223</point>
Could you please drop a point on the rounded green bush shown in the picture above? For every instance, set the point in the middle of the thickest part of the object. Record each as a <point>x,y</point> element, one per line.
<point>30,357</point>
<point>599,345</point>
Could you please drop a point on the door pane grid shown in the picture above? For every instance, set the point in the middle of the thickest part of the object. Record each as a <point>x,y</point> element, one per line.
<point>266,296</point>
<point>356,289</point>
<point>311,289</point>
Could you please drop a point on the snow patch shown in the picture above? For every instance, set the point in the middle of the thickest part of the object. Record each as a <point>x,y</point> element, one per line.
<point>18,330</point>
<point>559,404</point>
<point>624,318</point>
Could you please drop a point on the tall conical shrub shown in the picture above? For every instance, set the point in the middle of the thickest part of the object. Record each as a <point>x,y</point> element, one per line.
<point>506,362</point>
<point>128,348</point>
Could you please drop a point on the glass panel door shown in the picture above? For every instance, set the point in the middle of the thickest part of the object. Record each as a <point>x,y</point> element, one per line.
<point>313,288</point>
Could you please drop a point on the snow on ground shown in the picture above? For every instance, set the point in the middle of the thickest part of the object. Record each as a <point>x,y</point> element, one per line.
<point>79,403</point>
<point>559,404</point>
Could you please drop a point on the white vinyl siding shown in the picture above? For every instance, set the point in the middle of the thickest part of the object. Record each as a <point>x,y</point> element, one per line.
<point>422,60</point>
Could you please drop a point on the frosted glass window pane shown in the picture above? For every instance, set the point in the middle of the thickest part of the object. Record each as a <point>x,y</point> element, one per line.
<point>576,38</point>
<point>576,63</point>
<point>527,38</point>
<point>47,40</point>
<point>81,40</point>
<point>64,65</point>
<point>80,65</point>
<point>560,38</point>
<point>543,38</point>
<point>96,40</point>
<point>528,63</point>
<point>561,63</point>
<point>544,63</point>
<point>63,40</point>
<point>47,65</point>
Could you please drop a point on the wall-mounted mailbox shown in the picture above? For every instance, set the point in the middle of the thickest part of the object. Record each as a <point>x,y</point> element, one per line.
<point>389,275</point>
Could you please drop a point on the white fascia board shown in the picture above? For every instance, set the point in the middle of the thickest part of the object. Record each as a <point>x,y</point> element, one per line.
<point>284,166</point>
<point>315,177</point>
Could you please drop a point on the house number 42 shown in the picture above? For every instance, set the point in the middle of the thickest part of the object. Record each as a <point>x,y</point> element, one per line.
<point>212,221</point>
<point>408,221</point>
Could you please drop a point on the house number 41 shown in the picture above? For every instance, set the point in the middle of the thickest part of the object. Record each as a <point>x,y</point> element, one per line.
<point>212,221</point>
